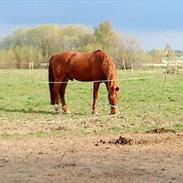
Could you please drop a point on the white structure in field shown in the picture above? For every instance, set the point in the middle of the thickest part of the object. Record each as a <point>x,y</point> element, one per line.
<point>176,60</point>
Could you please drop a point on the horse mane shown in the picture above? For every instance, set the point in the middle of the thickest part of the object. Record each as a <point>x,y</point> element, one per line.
<point>108,67</point>
<point>97,51</point>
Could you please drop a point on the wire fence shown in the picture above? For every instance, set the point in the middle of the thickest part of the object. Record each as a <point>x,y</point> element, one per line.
<point>95,81</point>
<point>156,107</point>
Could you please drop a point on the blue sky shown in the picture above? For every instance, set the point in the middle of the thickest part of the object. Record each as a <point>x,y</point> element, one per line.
<point>153,22</point>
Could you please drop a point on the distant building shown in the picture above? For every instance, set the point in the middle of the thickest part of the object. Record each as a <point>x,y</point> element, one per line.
<point>176,60</point>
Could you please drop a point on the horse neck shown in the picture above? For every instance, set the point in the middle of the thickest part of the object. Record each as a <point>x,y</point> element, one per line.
<point>109,70</point>
<point>112,81</point>
<point>111,77</point>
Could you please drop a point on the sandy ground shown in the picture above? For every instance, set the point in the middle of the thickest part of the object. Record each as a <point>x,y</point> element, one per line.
<point>148,158</point>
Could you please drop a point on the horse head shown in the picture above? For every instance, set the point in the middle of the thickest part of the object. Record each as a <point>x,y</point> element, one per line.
<point>113,98</point>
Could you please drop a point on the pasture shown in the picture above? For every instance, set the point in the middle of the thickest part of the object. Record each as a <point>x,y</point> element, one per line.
<point>43,145</point>
<point>24,101</point>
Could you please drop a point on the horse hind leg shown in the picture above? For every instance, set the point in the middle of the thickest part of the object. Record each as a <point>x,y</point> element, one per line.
<point>55,91</point>
<point>62,96</point>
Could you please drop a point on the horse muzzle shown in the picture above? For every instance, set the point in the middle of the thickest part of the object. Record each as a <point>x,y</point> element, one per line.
<point>114,109</point>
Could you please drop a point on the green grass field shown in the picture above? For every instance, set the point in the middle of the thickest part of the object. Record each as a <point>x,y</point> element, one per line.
<point>25,108</point>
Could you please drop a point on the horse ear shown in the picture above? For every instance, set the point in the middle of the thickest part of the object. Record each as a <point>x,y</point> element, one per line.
<point>117,88</point>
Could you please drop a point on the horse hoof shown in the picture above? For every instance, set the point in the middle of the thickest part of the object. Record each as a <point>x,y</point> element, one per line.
<point>115,113</point>
<point>57,108</point>
<point>66,112</point>
<point>57,111</point>
<point>95,112</point>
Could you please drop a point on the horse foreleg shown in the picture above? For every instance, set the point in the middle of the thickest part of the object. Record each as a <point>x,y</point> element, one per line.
<point>95,97</point>
<point>62,97</point>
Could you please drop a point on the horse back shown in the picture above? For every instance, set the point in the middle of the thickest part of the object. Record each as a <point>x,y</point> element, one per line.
<point>80,66</point>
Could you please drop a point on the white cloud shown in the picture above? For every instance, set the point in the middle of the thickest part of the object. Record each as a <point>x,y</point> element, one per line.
<point>6,29</point>
<point>158,39</point>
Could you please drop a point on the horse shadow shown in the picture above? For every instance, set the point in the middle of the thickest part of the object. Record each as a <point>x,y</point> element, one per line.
<point>28,111</point>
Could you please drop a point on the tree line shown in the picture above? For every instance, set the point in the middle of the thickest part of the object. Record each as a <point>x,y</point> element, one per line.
<point>37,44</point>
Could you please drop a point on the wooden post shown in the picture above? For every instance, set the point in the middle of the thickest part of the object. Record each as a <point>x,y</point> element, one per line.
<point>31,65</point>
<point>124,65</point>
<point>132,67</point>
<point>175,66</point>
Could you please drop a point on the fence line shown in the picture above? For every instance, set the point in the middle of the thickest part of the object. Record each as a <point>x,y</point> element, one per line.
<point>94,117</point>
<point>99,81</point>
<point>125,79</point>
<point>111,116</point>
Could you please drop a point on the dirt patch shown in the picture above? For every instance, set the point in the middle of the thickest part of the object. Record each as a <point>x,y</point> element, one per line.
<point>154,137</point>
<point>161,130</point>
<point>119,141</point>
<point>135,158</point>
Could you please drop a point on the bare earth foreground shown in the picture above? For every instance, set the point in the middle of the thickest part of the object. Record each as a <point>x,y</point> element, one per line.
<point>147,158</point>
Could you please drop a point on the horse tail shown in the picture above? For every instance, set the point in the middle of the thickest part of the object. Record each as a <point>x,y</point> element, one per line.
<point>51,79</point>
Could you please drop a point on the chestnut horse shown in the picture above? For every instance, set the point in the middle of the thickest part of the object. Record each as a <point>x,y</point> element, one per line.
<point>96,66</point>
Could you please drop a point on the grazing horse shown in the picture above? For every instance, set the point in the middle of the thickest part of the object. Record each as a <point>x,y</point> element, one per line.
<point>96,66</point>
